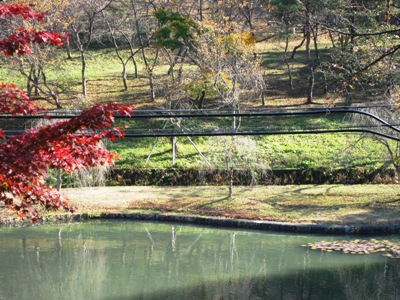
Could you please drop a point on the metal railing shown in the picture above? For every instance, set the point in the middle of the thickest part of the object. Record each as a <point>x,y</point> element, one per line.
<point>372,125</point>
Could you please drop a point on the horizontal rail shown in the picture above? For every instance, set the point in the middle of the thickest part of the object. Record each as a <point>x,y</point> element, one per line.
<point>252,133</point>
<point>245,113</point>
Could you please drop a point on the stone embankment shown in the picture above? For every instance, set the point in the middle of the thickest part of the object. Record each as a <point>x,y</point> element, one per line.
<point>218,222</point>
<point>186,177</point>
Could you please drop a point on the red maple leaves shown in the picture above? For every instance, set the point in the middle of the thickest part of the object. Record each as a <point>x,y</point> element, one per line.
<point>66,145</point>
<point>18,43</point>
<point>24,12</point>
<point>13,101</point>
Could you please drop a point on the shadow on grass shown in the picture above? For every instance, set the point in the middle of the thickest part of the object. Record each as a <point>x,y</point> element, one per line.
<point>373,217</point>
<point>212,202</point>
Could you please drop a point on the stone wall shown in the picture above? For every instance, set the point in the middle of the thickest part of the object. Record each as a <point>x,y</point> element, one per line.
<point>185,177</point>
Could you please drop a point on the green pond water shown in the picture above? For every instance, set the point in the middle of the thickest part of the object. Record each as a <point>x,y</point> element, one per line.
<point>144,260</point>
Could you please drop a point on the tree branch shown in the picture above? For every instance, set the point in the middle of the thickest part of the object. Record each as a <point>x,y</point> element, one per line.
<point>363,34</point>
<point>388,53</point>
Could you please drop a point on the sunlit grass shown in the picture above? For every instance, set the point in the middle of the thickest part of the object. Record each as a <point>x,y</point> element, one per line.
<point>334,204</point>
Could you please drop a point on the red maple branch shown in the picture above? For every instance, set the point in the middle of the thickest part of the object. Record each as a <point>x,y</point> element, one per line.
<point>67,145</point>
<point>14,10</point>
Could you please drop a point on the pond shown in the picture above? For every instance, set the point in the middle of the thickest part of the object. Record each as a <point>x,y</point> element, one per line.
<point>145,260</point>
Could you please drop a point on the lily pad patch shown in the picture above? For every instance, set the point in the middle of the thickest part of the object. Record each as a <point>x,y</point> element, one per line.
<point>358,246</point>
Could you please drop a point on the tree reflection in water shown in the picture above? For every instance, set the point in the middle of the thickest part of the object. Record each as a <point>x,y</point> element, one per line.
<point>77,273</point>
<point>137,260</point>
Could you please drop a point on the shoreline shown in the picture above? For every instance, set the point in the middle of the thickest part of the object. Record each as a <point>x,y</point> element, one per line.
<point>319,209</point>
<point>272,226</point>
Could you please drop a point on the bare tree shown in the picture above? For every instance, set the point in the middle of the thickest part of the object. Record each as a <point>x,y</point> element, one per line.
<point>236,153</point>
<point>83,29</point>
<point>32,67</point>
<point>365,43</point>
<point>306,15</point>
<point>35,66</point>
<point>118,23</point>
<point>145,27</point>
<point>225,60</point>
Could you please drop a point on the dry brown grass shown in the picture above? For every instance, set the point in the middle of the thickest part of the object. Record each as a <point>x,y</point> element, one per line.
<point>336,204</point>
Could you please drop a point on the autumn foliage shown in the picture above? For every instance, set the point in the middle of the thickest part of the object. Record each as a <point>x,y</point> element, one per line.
<point>67,145</point>
<point>24,12</point>
<point>18,42</point>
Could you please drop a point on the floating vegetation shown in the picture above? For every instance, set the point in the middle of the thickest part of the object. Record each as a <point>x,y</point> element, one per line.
<point>385,247</point>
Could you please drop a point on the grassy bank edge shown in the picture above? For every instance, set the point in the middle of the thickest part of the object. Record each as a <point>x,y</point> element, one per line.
<point>366,204</point>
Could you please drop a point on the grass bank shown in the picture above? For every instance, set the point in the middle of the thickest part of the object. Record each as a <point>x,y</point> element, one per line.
<point>314,204</point>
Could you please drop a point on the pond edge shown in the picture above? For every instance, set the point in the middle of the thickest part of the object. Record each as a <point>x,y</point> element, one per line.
<point>218,222</point>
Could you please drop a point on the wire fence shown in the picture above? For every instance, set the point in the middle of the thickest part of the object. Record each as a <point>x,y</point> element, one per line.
<point>382,121</point>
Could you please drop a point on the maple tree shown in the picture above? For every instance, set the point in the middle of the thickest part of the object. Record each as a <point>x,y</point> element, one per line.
<point>18,42</point>
<point>66,145</point>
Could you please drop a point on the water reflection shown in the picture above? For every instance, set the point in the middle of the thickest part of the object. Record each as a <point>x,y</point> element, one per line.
<point>133,260</point>
<point>42,268</point>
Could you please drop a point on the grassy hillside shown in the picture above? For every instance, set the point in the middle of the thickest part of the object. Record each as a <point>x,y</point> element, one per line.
<point>277,151</point>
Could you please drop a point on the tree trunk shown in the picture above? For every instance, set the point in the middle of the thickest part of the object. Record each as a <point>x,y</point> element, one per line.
<point>297,47</point>
<point>149,68</point>
<point>230,172</point>
<point>59,180</point>
<point>332,40</point>
<point>135,67</point>
<point>308,29</point>
<point>151,85</point>
<point>174,150</point>
<point>170,71</point>
<point>29,85</point>
<point>288,65</point>
<point>201,99</point>
<point>201,10</point>
<point>310,88</point>
<point>315,39</point>
<point>116,48</point>
<point>68,47</point>
<point>124,77</point>
<point>263,98</point>
<point>349,99</point>
<point>50,90</point>
<point>83,61</point>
